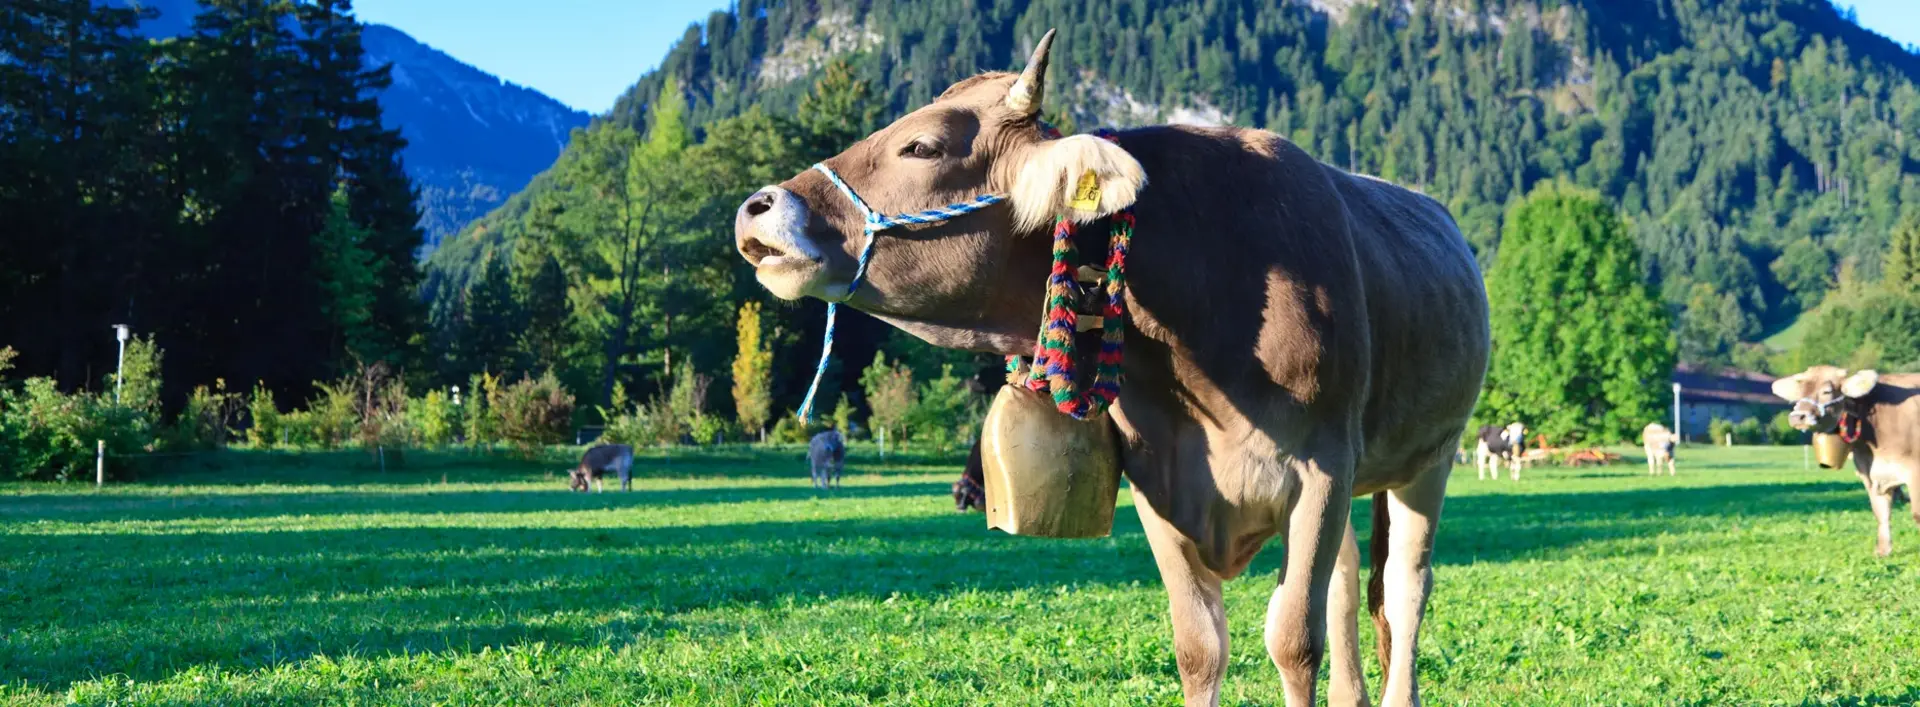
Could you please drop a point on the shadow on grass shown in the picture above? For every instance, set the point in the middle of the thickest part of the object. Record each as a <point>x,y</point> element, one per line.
<point>244,467</point>
<point>154,604</point>
<point>88,508</point>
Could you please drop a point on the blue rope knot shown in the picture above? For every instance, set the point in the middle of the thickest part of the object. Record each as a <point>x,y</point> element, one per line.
<point>873,223</point>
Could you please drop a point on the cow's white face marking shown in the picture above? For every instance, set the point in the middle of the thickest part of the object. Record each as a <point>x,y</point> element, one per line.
<point>1515,434</point>
<point>785,261</point>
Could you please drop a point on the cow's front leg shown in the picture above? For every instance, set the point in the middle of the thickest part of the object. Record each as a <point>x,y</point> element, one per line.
<point>1413,513</point>
<point>1297,613</point>
<point>1193,602</point>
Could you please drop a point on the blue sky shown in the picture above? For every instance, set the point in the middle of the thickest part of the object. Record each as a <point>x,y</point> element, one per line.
<point>585,52</point>
<point>581,52</point>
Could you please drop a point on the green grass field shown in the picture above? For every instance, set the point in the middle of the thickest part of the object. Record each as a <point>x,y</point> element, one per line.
<point>724,579</point>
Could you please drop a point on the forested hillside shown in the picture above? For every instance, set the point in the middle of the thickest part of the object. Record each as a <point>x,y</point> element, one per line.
<point>1754,145</point>
<point>472,139</point>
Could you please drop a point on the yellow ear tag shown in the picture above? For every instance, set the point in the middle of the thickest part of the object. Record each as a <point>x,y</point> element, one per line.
<point>1086,194</point>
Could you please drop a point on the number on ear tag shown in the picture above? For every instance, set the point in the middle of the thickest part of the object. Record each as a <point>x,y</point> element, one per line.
<point>1086,194</point>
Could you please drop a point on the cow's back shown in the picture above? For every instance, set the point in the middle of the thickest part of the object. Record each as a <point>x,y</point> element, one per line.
<point>1291,292</point>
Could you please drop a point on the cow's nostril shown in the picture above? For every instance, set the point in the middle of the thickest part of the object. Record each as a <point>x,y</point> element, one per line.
<point>759,203</point>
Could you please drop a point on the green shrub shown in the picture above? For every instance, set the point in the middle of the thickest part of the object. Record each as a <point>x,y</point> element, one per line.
<point>478,420</point>
<point>790,430</point>
<point>1717,431</point>
<point>46,434</point>
<point>432,418</point>
<point>334,416</point>
<point>712,429</point>
<point>943,412</point>
<point>139,377</point>
<point>299,430</point>
<point>1749,431</point>
<point>207,420</point>
<point>1782,432</point>
<point>843,417</point>
<point>266,428</point>
<point>533,412</point>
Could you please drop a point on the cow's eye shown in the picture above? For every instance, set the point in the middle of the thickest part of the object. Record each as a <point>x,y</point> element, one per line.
<point>921,150</point>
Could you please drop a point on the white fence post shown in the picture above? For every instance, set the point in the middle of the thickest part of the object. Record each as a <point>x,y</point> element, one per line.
<point>99,463</point>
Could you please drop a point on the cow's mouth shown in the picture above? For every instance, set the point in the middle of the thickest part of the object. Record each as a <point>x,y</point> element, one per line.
<point>758,253</point>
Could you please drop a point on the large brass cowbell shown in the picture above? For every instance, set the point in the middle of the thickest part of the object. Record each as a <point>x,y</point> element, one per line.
<point>1830,450</point>
<point>1047,474</point>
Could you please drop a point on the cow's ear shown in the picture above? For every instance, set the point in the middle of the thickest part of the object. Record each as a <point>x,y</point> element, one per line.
<point>1791,388</point>
<point>1860,384</point>
<point>1081,177</point>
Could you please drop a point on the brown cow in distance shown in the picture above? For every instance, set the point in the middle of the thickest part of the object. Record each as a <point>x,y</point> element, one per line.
<point>1299,336</point>
<point>1881,413</point>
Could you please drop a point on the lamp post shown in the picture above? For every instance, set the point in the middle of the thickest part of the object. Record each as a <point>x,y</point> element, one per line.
<point>456,395</point>
<point>1676,411</point>
<point>121,333</point>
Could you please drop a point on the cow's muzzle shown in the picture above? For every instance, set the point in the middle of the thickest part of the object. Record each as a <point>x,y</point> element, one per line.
<point>770,231</point>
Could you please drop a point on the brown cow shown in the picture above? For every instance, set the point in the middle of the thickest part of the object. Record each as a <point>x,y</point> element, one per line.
<point>1879,415</point>
<point>1299,336</point>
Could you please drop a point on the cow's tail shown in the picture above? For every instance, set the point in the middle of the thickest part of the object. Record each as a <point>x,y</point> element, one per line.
<point>1376,586</point>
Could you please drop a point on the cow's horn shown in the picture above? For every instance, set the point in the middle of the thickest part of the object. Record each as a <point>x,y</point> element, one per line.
<point>1026,93</point>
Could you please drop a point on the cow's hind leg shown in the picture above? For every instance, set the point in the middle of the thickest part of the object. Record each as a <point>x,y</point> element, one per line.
<point>1413,512</point>
<point>1194,604</point>
<point>1297,613</point>
<point>1346,677</point>
<point>1882,501</point>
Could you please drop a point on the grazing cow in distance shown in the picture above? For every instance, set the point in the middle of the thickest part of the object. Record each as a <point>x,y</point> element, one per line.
<point>971,490</point>
<point>1296,336</point>
<point>826,458</point>
<point>1498,444</point>
<point>603,458</point>
<point>1658,442</point>
<point>1878,417</point>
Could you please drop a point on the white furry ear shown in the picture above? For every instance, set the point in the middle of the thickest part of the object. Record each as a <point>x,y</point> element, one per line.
<point>1055,181</point>
<point>1791,388</point>
<point>1860,383</point>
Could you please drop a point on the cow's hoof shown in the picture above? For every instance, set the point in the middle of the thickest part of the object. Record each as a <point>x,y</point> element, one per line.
<point>1882,551</point>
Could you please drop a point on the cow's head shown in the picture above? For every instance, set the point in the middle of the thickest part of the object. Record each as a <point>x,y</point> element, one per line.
<point>974,282</point>
<point>1821,393</point>
<point>1515,434</point>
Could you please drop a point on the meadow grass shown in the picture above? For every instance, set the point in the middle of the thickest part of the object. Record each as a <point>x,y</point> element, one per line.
<point>724,579</point>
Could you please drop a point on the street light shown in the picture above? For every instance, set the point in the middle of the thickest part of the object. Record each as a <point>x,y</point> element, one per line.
<point>1676,410</point>
<point>121,333</point>
<point>456,395</point>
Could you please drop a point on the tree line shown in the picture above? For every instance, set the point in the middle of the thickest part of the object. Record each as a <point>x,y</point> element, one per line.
<point>233,192</point>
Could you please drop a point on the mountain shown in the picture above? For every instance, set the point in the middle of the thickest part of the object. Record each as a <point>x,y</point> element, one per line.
<point>473,139</point>
<point>1758,147</point>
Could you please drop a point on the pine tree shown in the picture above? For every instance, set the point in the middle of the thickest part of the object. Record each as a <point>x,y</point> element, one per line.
<point>346,275</point>
<point>1902,269</point>
<point>491,319</point>
<point>752,372</point>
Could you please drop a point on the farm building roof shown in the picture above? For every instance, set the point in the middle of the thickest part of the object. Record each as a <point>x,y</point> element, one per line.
<point>1725,385</point>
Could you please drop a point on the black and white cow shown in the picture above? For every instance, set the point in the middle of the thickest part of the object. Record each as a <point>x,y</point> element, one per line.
<point>1496,444</point>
